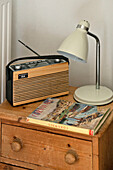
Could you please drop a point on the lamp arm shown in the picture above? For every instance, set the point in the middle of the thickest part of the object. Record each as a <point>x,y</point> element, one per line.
<point>97,59</point>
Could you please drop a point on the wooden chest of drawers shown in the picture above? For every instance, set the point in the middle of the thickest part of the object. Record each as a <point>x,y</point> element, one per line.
<point>29,146</point>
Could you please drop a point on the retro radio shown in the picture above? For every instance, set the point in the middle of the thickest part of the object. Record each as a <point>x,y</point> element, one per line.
<point>37,79</point>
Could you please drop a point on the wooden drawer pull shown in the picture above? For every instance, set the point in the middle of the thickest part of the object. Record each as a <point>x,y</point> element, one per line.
<point>71,157</point>
<point>16,145</point>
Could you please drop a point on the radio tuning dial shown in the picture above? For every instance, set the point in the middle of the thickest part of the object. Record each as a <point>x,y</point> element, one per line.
<point>17,67</point>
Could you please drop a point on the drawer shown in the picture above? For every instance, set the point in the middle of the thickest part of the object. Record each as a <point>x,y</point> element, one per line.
<point>9,167</point>
<point>46,149</point>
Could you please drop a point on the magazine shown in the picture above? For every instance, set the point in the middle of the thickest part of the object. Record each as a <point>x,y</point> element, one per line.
<point>65,115</point>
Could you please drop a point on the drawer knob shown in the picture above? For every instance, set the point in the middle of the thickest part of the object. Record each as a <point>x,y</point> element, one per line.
<point>16,145</point>
<point>71,157</point>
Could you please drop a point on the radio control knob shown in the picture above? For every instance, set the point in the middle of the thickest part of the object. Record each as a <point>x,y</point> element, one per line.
<point>23,66</point>
<point>57,60</point>
<point>17,67</point>
<point>32,62</point>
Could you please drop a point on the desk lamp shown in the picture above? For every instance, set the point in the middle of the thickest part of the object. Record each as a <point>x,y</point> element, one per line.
<point>75,47</point>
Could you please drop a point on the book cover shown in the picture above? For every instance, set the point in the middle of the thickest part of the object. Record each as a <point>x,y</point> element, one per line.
<point>76,117</point>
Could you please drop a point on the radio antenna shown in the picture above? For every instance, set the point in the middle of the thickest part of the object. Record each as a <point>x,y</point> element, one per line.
<point>29,48</point>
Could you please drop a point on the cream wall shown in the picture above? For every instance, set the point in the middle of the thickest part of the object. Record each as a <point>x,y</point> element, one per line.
<point>43,24</point>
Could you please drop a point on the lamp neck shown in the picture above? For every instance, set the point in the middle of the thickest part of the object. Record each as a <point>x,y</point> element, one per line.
<point>97,59</point>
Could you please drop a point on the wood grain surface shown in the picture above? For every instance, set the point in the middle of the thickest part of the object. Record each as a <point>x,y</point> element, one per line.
<point>48,148</point>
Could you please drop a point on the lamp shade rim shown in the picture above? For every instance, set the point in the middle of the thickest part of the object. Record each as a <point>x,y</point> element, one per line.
<point>72,56</point>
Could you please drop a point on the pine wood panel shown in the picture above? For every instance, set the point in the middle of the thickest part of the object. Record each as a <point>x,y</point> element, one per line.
<point>46,149</point>
<point>106,149</point>
<point>22,165</point>
<point>0,137</point>
<point>23,123</point>
<point>101,144</point>
<point>35,88</point>
<point>39,71</point>
<point>26,100</point>
<point>96,152</point>
<point>40,87</point>
<point>9,167</point>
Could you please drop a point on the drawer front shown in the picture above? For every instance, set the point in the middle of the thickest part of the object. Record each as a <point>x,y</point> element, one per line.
<point>9,167</point>
<point>46,149</point>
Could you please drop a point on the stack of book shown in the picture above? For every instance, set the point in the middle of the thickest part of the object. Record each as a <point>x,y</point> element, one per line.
<point>65,115</point>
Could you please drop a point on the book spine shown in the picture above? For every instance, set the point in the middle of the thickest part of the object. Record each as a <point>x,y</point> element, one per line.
<point>61,126</point>
<point>91,132</point>
<point>102,122</point>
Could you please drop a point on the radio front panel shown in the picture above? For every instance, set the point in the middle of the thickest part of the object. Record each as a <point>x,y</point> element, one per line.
<point>40,87</point>
<point>35,81</point>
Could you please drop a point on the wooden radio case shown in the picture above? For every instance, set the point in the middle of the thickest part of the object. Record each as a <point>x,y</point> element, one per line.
<point>38,79</point>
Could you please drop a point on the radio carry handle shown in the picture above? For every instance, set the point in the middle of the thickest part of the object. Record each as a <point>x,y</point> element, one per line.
<point>34,57</point>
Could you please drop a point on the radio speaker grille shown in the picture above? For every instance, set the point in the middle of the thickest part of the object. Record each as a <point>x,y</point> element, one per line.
<point>39,86</point>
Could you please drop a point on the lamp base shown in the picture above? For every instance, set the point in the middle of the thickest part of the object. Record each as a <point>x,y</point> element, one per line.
<point>90,95</point>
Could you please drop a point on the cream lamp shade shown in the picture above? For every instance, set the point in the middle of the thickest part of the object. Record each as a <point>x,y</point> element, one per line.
<point>75,47</point>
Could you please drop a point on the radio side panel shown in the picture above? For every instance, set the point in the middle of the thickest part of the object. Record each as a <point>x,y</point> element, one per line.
<point>9,85</point>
